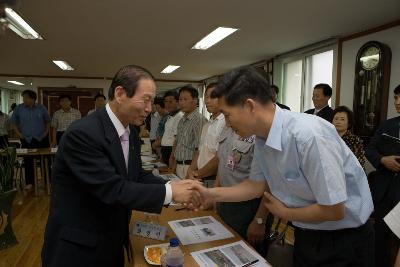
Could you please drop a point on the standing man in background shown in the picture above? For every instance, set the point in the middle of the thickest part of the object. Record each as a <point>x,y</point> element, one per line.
<point>385,182</point>
<point>62,119</point>
<point>275,93</point>
<point>321,94</point>
<point>188,132</point>
<point>155,118</point>
<point>235,155</point>
<point>171,99</point>
<point>31,123</point>
<point>99,103</point>
<point>160,107</point>
<point>205,161</point>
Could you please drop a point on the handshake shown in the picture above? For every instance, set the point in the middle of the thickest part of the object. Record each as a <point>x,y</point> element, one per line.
<point>192,194</point>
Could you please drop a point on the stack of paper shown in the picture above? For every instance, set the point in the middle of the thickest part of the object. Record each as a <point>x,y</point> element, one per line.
<point>236,254</point>
<point>199,229</point>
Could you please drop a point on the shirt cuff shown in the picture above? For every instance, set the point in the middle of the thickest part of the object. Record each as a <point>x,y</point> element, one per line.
<point>168,193</point>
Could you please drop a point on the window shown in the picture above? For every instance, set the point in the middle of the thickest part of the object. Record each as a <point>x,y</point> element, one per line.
<point>319,70</point>
<point>8,97</point>
<point>299,76</point>
<point>292,84</point>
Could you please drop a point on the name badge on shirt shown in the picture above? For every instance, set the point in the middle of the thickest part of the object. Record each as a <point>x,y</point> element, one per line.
<point>230,163</point>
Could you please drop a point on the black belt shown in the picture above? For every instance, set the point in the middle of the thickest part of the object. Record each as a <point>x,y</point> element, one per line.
<point>338,231</point>
<point>184,162</point>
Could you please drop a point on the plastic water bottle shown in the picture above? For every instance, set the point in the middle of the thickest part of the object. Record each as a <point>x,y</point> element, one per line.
<point>174,256</point>
<point>155,171</point>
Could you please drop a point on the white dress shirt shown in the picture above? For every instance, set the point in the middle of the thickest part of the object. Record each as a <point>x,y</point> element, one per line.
<point>209,140</point>
<point>171,129</point>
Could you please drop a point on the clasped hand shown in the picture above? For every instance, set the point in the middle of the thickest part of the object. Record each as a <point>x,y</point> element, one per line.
<point>191,193</point>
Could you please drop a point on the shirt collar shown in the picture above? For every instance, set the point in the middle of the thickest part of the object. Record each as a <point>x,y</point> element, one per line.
<point>70,110</point>
<point>173,113</point>
<point>219,117</point>
<point>274,139</point>
<point>192,114</point>
<point>116,122</point>
<point>318,110</point>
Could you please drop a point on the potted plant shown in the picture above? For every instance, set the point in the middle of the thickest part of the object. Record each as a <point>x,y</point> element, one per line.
<point>8,156</point>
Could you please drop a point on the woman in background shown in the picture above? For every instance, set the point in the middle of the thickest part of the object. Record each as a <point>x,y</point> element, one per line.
<point>343,119</point>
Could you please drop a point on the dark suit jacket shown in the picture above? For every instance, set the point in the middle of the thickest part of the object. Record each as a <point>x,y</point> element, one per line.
<point>93,195</point>
<point>282,106</point>
<point>384,184</point>
<point>325,113</point>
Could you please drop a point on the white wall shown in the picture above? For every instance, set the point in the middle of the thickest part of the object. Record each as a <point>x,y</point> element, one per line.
<point>390,37</point>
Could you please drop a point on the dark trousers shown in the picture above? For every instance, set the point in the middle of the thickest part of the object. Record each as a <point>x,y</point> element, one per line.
<point>59,134</point>
<point>385,190</point>
<point>386,244</point>
<point>166,153</point>
<point>346,247</point>
<point>239,215</point>
<point>29,171</point>
<point>3,141</point>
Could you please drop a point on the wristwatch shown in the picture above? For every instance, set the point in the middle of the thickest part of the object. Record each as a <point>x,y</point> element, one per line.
<point>259,220</point>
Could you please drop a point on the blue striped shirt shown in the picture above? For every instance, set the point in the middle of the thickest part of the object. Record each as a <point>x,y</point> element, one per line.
<point>304,162</point>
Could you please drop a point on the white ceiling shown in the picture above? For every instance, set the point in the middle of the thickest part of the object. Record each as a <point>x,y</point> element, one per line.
<point>97,36</point>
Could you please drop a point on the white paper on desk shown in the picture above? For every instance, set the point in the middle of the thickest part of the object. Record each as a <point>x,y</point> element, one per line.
<point>160,164</point>
<point>232,255</point>
<point>147,158</point>
<point>22,150</point>
<point>199,230</point>
<point>392,219</point>
<point>146,146</point>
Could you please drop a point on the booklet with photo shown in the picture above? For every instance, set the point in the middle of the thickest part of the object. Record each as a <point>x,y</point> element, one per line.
<point>199,229</point>
<point>236,254</point>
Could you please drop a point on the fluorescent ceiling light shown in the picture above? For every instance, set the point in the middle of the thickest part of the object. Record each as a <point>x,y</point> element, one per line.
<point>214,37</point>
<point>16,82</point>
<point>63,65</point>
<point>170,68</point>
<point>18,25</point>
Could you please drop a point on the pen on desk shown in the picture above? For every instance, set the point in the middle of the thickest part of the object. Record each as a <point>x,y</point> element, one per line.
<point>180,208</point>
<point>250,263</point>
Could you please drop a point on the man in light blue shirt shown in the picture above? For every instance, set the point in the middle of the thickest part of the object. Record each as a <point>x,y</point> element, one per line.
<point>309,174</point>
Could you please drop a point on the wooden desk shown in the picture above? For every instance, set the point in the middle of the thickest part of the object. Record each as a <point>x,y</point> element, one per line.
<point>42,154</point>
<point>169,214</point>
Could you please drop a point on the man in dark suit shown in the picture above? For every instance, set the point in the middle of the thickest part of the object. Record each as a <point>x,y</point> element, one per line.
<point>321,94</point>
<point>275,93</point>
<point>98,179</point>
<point>385,182</point>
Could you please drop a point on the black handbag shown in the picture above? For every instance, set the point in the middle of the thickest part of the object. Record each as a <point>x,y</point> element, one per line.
<point>280,253</point>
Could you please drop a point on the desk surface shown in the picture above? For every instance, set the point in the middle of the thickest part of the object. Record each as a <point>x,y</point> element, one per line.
<point>169,214</point>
